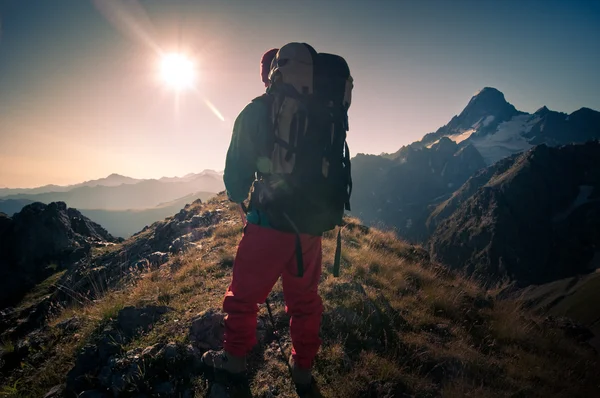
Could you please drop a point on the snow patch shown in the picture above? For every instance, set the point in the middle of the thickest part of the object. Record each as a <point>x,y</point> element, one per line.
<point>488,120</point>
<point>432,144</point>
<point>461,137</point>
<point>507,139</point>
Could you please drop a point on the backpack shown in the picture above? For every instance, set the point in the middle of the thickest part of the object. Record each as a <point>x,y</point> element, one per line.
<point>309,184</point>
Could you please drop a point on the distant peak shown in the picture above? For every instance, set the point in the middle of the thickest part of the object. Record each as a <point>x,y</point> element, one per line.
<point>543,110</point>
<point>488,93</point>
<point>586,110</point>
<point>488,90</point>
<point>488,101</point>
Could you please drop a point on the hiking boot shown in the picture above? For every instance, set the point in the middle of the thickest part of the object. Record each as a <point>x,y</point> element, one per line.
<point>302,377</point>
<point>222,360</point>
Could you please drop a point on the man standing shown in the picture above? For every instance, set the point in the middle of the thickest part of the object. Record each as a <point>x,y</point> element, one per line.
<point>264,254</point>
<point>289,146</point>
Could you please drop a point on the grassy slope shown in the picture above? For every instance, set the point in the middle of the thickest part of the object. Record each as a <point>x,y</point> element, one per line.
<point>393,323</point>
<point>571,297</point>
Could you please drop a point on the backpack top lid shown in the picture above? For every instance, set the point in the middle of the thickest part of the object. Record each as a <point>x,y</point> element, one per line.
<point>333,81</point>
<point>293,66</point>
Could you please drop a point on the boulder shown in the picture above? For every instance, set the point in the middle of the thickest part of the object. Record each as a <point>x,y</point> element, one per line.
<point>206,331</point>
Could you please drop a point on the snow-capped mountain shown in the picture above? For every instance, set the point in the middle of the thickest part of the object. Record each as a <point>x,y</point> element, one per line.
<point>497,129</point>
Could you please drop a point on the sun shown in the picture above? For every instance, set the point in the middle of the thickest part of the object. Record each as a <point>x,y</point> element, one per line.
<point>177,71</point>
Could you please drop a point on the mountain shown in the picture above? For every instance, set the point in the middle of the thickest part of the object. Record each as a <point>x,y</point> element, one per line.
<point>134,318</point>
<point>124,223</point>
<point>38,241</point>
<point>498,130</point>
<point>532,218</point>
<point>120,223</point>
<point>140,195</point>
<point>110,181</point>
<point>399,191</point>
<point>12,206</point>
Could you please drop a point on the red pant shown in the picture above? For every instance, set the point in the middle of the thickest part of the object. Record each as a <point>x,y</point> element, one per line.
<point>263,255</point>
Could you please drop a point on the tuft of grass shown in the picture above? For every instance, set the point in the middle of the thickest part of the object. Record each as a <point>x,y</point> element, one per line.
<point>227,231</point>
<point>7,346</point>
<point>40,290</point>
<point>11,390</point>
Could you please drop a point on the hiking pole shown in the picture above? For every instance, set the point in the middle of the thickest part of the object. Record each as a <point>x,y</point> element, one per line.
<point>271,319</point>
<point>285,359</point>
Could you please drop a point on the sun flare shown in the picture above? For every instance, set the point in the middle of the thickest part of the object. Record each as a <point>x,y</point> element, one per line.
<point>177,71</point>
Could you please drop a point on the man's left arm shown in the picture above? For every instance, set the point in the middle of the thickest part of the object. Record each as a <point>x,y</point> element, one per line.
<point>242,155</point>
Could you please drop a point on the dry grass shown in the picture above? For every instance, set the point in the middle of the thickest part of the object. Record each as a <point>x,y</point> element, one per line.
<point>394,324</point>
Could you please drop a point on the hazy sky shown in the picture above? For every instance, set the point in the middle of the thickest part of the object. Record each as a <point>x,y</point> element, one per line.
<point>80,96</point>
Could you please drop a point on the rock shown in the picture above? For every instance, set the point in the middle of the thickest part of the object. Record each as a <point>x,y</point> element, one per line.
<point>87,362</point>
<point>109,343</point>
<point>142,264</point>
<point>181,215</point>
<point>132,320</point>
<point>56,391</point>
<point>158,258</point>
<point>199,221</point>
<point>169,352</point>
<point>198,234</point>
<point>156,365</point>
<point>177,245</point>
<point>69,325</point>
<point>101,356</point>
<point>151,351</point>
<point>207,330</point>
<point>38,236</point>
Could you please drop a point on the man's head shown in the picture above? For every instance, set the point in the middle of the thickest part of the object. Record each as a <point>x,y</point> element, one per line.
<point>265,65</point>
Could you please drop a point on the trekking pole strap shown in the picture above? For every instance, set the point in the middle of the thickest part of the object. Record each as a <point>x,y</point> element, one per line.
<point>299,258</point>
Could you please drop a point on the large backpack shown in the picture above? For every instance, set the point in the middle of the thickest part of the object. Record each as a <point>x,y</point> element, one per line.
<point>309,183</point>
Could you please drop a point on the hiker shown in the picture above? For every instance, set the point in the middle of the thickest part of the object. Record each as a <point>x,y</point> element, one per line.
<point>288,212</point>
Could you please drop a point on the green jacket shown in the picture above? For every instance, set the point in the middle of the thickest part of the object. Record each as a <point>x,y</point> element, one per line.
<point>247,154</point>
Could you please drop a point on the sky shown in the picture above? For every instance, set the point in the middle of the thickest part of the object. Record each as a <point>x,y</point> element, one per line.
<point>81,95</point>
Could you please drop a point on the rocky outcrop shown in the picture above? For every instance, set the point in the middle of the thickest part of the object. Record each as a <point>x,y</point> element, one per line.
<point>40,240</point>
<point>149,249</point>
<point>103,366</point>
<point>532,218</point>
